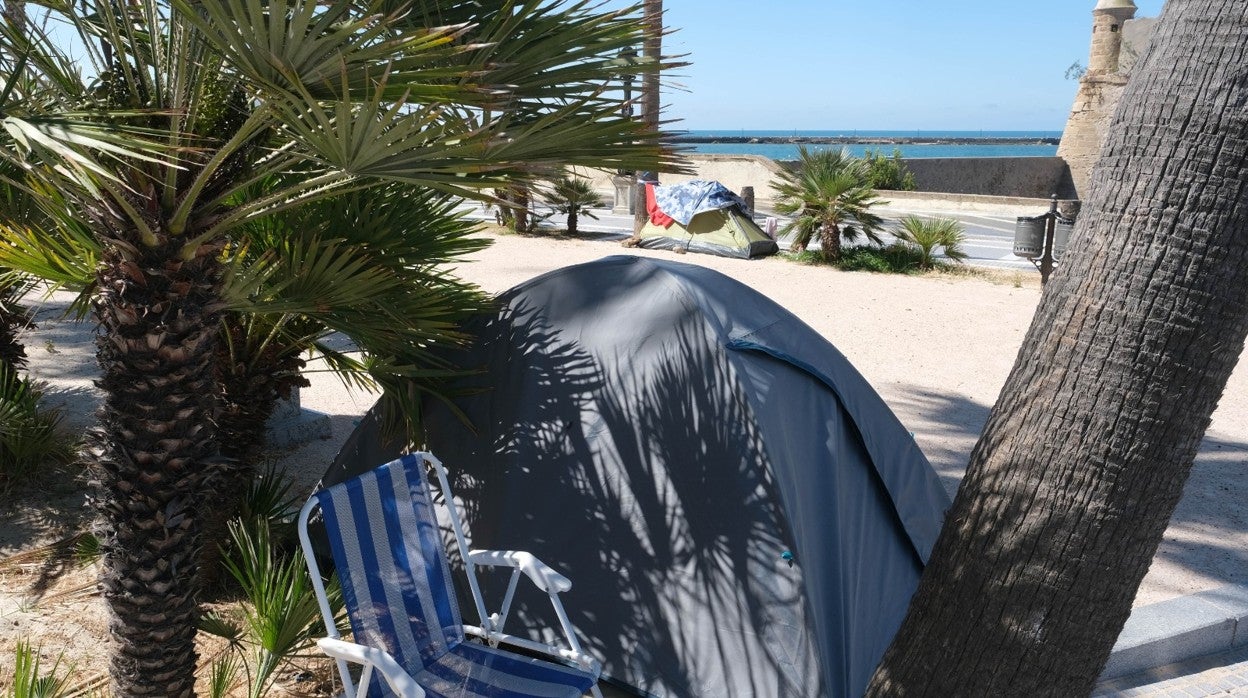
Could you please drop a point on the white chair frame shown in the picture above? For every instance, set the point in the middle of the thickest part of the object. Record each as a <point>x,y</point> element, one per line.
<point>375,660</point>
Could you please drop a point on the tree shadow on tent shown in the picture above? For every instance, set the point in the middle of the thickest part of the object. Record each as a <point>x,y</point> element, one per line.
<point>646,485</point>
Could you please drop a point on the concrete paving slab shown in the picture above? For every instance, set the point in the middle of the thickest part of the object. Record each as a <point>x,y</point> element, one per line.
<point>1181,629</point>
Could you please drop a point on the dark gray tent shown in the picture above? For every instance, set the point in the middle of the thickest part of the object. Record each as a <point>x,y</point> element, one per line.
<point>740,513</point>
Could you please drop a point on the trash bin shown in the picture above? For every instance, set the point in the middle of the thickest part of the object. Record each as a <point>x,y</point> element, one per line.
<point>1061,236</point>
<point>1029,236</point>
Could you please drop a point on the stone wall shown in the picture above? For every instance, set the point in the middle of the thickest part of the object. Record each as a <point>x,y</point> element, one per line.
<point>1096,101</point>
<point>1028,177</point>
<point>1087,126</point>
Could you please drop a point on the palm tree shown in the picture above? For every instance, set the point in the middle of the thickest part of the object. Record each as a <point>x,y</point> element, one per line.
<point>828,194</point>
<point>202,118</point>
<point>928,234</point>
<point>573,196</point>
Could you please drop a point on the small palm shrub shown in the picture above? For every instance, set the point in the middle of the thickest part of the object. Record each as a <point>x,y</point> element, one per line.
<point>29,437</point>
<point>281,616</point>
<point>573,197</point>
<point>829,195</point>
<point>29,682</point>
<point>926,235</point>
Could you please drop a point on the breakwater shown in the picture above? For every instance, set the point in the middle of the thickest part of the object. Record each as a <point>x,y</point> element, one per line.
<point>865,140</point>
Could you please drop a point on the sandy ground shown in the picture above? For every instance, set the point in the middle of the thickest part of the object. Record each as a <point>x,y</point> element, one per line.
<point>937,348</point>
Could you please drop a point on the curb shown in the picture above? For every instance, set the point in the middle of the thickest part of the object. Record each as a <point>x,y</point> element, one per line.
<point>1180,629</point>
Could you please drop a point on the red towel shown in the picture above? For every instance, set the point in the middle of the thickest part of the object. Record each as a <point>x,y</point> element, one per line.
<point>657,217</point>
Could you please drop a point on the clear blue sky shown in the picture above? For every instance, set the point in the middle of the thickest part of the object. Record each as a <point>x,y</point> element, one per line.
<point>877,64</point>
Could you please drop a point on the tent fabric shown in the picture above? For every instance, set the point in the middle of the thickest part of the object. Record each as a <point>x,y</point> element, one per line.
<point>741,512</point>
<point>685,200</point>
<point>722,232</point>
<point>702,216</point>
<point>653,211</point>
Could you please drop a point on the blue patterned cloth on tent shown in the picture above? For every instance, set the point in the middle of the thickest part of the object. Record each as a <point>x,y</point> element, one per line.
<point>686,200</point>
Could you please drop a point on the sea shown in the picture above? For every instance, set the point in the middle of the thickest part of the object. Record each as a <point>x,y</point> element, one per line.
<point>788,151</point>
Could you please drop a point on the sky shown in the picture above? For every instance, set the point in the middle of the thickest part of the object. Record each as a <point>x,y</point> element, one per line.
<point>877,64</point>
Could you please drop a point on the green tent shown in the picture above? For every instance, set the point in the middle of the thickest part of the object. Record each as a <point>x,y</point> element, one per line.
<point>725,232</point>
<point>717,222</point>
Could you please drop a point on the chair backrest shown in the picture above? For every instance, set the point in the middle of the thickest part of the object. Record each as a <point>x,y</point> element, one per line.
<point>391,562</point>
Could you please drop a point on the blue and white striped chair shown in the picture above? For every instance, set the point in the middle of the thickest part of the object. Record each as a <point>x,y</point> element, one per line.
<point>396,584</point>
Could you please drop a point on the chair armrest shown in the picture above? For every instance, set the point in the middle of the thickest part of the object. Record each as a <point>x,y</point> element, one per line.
<point>542,575</point>
<point>380,660</point>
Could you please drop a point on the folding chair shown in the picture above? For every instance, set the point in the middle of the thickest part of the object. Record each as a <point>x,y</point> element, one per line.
<point>396,585</point>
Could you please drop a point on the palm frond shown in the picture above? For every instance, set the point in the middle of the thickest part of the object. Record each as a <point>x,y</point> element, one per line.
<point>334,51</point>
<point>927,235</point>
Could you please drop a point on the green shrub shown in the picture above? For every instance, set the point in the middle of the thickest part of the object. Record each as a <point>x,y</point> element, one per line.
<point>28,435</point>
<point>891,259</point>
<point>888,171</point>
<point>27,680</point>
<point>13,319</point>
<point>282,617</point>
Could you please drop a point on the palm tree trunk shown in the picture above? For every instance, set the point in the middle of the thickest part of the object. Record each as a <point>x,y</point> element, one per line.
<point>1084,457</point>
<point>252,376</point>
<point>653,50</point>
<point>153,453</point>
<point>830,242</point>
<point>520,195</point>
<point>572,221</point>
<point>651,101</point>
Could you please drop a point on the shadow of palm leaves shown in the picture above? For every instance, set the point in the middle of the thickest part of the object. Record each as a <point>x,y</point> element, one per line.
<point>647,485</point>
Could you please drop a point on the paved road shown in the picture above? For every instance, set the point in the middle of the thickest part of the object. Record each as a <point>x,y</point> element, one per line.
<point>989,236</point>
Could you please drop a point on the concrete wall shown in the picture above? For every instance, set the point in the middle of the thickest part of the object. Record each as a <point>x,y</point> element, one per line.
<point>1031,178</point>
<point>1018,177</point>
<point>733,171</point>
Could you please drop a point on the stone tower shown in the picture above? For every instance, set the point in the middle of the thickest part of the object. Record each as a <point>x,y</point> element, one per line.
<point>1099,91</point>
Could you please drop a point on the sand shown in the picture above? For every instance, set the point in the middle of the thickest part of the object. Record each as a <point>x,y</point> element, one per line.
<point>937,349</point>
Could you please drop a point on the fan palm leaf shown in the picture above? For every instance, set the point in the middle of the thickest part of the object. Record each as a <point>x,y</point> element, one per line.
<point>829,195</point>
<point>191,125</point>
<point>927,235</point>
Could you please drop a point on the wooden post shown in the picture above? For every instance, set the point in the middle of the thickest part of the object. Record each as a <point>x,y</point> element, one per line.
<point>640,214</point>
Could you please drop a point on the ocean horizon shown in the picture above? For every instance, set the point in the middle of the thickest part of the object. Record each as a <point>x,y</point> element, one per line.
<point>789,151</point>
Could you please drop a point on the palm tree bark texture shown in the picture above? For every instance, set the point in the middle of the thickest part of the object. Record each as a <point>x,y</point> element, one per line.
<point>1085,454</point>
<point>651,100</point>
<point>156,440</point>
